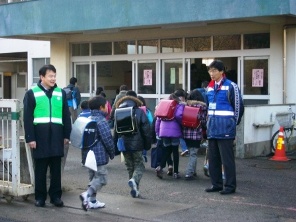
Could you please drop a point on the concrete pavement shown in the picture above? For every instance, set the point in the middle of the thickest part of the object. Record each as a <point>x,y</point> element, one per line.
<point>265,192</point>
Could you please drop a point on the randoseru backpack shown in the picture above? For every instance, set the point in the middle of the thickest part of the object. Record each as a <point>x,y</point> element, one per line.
<point>166,109</point>
<point>190,118</point>
<point>69,92</point>
<point>84,133</point>
<point>125,120</point>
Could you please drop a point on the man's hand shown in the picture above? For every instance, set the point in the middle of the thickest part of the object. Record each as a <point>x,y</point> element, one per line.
<point>66,141</point>
<point>32,145</point>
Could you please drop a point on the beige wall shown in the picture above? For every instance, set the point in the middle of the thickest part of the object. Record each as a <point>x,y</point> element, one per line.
<point>59,52</point>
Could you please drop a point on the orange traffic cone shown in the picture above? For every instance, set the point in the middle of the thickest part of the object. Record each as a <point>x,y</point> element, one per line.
<point>280,151</point>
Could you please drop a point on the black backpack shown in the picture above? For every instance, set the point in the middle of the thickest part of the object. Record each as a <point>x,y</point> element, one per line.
<point>69,92</point>
<point>125,120</point>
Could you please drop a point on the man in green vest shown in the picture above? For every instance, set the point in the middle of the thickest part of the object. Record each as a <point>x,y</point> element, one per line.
<point>47,126</point>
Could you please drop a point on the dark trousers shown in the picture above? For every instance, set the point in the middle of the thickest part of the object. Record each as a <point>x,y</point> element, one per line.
<point>221,152</point>
<point>55,187</point>
<point>167,151</point>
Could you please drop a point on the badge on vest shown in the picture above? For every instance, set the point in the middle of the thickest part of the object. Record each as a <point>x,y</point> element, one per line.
<point>212,105</point>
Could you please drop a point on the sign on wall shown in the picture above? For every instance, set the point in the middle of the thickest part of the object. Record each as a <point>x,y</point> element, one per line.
<point>147,77</point>
<point>257,77</point>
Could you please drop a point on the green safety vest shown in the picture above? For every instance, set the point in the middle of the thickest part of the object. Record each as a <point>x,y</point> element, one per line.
<point>48,110</point>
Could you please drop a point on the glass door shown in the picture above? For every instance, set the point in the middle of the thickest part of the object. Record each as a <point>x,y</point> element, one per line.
<point>84,78</point>
<point>173,77</point>
<point>146,81</point>
<point>1,85</point>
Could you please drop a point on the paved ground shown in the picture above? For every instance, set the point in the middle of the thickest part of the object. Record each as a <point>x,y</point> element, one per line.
<point>266,191</point>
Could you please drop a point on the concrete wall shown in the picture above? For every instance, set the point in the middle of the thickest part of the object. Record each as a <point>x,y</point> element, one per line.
<point>91,15</point>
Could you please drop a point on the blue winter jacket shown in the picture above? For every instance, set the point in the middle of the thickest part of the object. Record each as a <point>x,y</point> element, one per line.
<point>225,110</point>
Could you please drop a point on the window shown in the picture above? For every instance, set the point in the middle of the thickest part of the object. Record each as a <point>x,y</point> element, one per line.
<point>37,64</point>
<point>255,76</point>
<point>80,49</point>
<point>198,44</point>
<point>101,48</point>
<point>171,45</point>
<point>257,41</point>
<point>227,42</point>
<point>147,46</point>
<point>124,48</point>
<point>147,77</point>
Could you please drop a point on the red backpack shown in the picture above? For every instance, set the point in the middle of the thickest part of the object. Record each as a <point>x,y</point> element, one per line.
<point>190,117</point>
<point>166,109</point>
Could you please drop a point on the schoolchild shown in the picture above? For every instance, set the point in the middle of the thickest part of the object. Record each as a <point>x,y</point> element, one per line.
<point>182,94</point>
<point>103,150</point>
<point>170,131</point>
<point>85,111</point>
<point>148,113</point>
<point>135,142</point>
<point>193,136</point>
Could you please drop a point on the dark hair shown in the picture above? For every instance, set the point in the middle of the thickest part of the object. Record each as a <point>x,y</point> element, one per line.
<point>84,104</point>
<point>217,64</point>
<point>96,102</point>
<point>45,68</point>
<point>73,81</point>
<point>123,87</point>
<point>99,90</point>
<point>196,95</point>
<point>131,93</point>
<point>142,100</point>
<point>103,94</point>
<point>174,97</point>
<point>204,84</point>
<point>180,92</point>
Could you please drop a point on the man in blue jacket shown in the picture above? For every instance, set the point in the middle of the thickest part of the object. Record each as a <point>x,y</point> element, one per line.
<point>225,111</point>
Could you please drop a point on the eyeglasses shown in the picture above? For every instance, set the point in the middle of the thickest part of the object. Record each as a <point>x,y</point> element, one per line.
<point>213,70</point>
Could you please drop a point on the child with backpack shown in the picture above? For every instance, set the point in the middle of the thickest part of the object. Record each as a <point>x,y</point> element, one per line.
<point>193,136</point>
<point>103,150</point>
<point>135,138</point>
<point>170,131</point>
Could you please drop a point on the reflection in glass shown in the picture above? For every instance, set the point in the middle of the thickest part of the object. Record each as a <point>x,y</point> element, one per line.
<point>147,46</point>
<point>171,45</point>
<point>227,42</point>
<point>37,64</point>
<point>82,75</point>
<point>80,49</point>
<point>256,77</point>
<point>173,76</point>
<point>257,41</point>
<point>198,44</point>
<point>101,48</point>
<point>147,78</point>
<point>124,47</point>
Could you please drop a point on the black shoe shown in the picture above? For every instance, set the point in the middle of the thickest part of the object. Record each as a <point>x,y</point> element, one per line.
<point>57,202</point>
<point>227,191</point>
<point>39,203</point>
<point>213,189</point>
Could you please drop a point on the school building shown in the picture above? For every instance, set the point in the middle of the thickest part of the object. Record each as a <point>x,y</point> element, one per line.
<point>158,46</point>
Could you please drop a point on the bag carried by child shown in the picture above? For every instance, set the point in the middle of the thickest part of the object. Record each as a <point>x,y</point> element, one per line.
<point>190,118</point>
<point>84,133</point>
<point>125,120</point>
<point>166,109</point>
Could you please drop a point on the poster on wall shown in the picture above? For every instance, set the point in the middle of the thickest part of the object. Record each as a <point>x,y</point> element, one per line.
<point>257,77</point>
<point>180,76</point>
<point>173,76</point>
<point>147,77</point>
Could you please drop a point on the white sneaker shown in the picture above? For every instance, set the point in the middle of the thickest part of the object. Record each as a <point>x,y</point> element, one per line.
<point>133,185</point>
<point>95,205</point>
<point>84,199</point>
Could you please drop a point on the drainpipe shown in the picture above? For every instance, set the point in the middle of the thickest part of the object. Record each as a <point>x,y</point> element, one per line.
<point>285,62</point>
